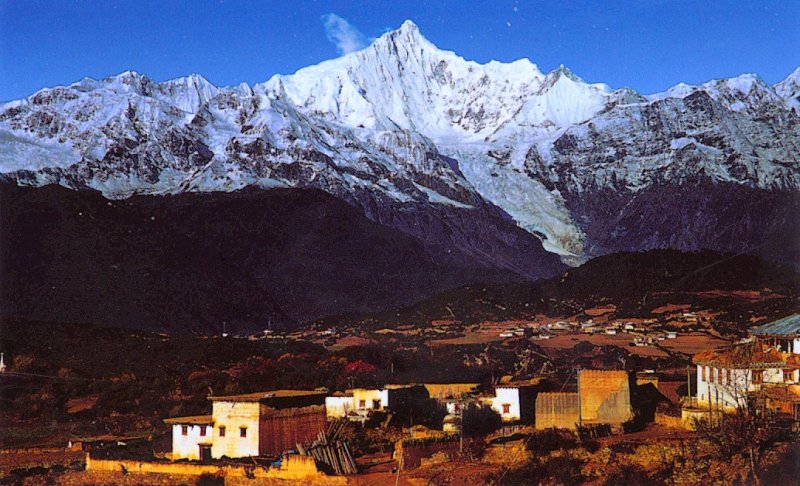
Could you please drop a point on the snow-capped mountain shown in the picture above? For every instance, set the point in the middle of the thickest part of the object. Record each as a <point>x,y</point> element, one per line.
<point>442,148</point>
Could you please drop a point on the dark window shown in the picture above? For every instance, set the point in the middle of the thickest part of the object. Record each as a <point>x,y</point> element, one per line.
<point>376,404</point>
<point>788,375</point>
<point>184,430</point>
<point>758,377</point>
<point>242,431</point>
<point>506,408</point>
<point>362,404</point>
<point>202,431</point>
<point>222,431</point>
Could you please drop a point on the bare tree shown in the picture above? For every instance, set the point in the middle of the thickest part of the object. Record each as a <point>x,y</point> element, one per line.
<point>749,429</point>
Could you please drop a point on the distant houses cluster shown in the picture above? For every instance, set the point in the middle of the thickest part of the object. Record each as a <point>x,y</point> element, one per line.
<point>646,333</point>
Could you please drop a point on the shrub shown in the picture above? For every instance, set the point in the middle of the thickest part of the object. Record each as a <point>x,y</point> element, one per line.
<point>479,420</point>
<point>543,442</point>
<point>208,479</point>
<point>554,470</point>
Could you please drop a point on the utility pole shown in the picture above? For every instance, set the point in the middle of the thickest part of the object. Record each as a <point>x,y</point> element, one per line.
<point>461,430</point>
<point>580,421</point>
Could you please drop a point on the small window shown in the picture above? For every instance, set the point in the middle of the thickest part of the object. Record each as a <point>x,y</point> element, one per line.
<point>202,431</point>
<point>705,373</point>
<point>788,375</point>
<point>758,377</point>
<point>362,404</point>
<point>242,431</point>
<point>728,376</point>
<point>222,431</point>
<point>184,430</point>
<point>711,378</point>
<point>376,404</point>
<point>506,408</point>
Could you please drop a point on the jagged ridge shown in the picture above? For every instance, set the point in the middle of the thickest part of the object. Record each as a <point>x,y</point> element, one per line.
<point>402,128</point>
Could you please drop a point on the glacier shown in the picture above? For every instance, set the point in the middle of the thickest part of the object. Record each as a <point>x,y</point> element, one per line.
<point>404,124</point>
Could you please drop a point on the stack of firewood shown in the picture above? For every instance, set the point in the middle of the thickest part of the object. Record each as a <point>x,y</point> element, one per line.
<point>330,450</point>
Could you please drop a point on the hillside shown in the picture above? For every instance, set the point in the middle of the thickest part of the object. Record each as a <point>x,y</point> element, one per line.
<point>189,262</point>
<point>737,287</point>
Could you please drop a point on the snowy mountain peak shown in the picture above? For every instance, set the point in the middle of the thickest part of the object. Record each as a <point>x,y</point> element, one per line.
<point>402,123</point>
<point>793,78</point>
<point>789,90</point>
<point>409,30</point>
<point>188,93</point>
<point>565,71</point>
<point>129,81</point>
<point>407,36</point>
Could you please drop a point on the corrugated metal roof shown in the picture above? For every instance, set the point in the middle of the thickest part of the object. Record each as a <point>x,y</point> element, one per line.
<point>787,326</point>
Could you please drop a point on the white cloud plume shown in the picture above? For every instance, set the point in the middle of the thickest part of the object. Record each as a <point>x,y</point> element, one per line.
<point>344,36</point>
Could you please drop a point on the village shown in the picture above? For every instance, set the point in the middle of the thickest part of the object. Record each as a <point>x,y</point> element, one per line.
<point>322,436</point>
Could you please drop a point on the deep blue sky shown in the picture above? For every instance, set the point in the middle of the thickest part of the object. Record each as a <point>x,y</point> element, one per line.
<point>646,45</point>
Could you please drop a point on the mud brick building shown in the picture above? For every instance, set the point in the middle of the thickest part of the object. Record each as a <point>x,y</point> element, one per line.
<point>603,397</point>
<point>254,424</point>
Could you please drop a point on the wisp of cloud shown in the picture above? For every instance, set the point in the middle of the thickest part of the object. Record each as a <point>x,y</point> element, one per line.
<point>344,36</point>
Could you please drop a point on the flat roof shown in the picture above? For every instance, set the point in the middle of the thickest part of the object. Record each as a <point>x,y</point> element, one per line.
<point>521,383</point>
<point>266,395</point>
<point>191,420</point>
<point>110,437</point>
<point>786,326</point>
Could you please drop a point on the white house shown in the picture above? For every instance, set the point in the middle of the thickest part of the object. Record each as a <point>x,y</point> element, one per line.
<point>254,424</point>
<point>191,437</point>
<point>237,433</point>
<point>365,399</point>
<point>515,401</point>
<point>391,397</point>
<point>339,405</point>
<point>726,377</point>
<point>507,403</point>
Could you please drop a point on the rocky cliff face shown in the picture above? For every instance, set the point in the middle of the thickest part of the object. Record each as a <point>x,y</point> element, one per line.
<point>496,160</point>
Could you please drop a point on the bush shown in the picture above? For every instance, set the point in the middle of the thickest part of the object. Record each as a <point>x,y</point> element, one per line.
<point>208,479</point>
<point>629,475</point>
<point>543,442</point>
<point>479,420</point>
<point>554,470</point>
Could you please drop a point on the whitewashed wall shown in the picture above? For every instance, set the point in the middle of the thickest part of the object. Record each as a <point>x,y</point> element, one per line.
<point>509,396</point>
<point>187,446</point>
<point>233,416</point>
